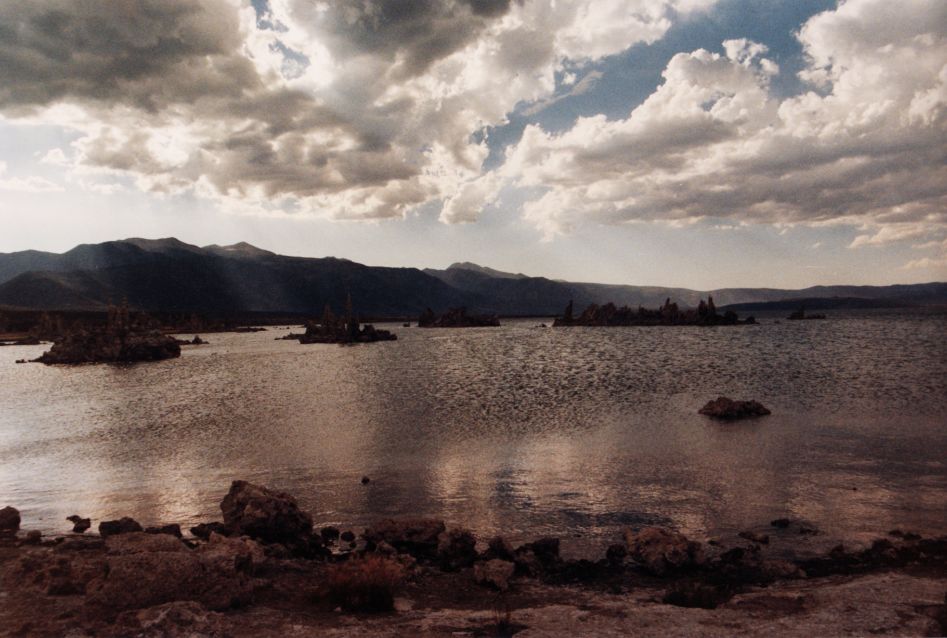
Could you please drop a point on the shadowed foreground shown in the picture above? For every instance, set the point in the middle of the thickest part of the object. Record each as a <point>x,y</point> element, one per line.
<point>265,570</point>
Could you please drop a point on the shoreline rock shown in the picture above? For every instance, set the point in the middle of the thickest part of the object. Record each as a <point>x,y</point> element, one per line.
<point>109,584</point>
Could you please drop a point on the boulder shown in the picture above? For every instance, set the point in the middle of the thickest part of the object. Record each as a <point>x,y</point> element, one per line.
<point>124,525</point>
<point>456,549</point>
<point>226,553</point>
<point>537,557</point>
<point>79,524</point>
<point>329,534</point>
<point>495,574</point>
<point>418,537</point>
<point>259,512</point>
<point>499,547</point>
<point>660,551</point>
<point>143,570</point>
<point>142,542</point>
<point>9,520</point>
<point>53,572</point>
<point>728,409</point>
<point>33,537</point>
<point>172,529</point>
<point>204,530</point>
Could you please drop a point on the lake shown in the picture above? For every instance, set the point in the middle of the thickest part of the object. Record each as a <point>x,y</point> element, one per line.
<point>519,430</point>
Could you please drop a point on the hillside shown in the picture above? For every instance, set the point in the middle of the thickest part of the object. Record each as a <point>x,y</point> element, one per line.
<point>172,276</point>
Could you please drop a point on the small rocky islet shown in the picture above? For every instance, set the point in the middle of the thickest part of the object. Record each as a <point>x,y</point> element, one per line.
<point>123,339</point>
<point>608,315</point>
<point>456,318</point>
<point>342,330</point>
<point>267,569</point>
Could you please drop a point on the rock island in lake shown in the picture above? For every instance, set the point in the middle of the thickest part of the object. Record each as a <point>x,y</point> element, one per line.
<point>456,318</point>
<point>121,340</point>
<point>667,315</point>
<point>345,329</point>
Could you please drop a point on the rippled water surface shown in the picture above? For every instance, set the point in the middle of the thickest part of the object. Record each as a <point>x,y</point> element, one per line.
<point>520,430</point>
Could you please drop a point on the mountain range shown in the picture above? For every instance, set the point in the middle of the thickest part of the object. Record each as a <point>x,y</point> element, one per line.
<point>172,276</point>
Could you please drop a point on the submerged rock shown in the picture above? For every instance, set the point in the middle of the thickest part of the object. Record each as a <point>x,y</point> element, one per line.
<point>660,551</point>
<point>725,408</point>
<point>259,512</point>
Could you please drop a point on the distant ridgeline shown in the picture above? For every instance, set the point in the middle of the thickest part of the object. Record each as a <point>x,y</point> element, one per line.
<point>667,315</point>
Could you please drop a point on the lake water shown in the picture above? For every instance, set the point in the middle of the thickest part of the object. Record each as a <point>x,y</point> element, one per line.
<point>525,431</point>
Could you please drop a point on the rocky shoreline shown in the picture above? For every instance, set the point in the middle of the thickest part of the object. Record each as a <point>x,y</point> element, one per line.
<point>267,570</point>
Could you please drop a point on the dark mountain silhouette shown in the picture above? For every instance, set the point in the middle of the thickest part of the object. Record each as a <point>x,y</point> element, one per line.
<point>172,276</point>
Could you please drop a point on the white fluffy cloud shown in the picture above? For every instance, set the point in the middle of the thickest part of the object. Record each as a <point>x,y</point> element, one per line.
<point>368,109</point>
<point>866,145</point>
<point>31,184</point>
<point>355,109</point>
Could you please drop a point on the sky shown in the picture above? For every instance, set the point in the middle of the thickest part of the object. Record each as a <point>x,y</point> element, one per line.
<point>694,143</point>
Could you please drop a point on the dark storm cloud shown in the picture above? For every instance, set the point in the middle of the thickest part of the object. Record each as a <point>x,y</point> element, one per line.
<point>149,53</point>
<point>416,33</point>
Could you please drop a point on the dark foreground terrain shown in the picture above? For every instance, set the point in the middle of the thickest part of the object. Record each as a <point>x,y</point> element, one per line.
<point>265,570</point>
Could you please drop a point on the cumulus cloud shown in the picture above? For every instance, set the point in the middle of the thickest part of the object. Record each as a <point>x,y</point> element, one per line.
<point>31,184</point>
<point>866,145</point>
<point>368,109</point>
<point>353,109</point>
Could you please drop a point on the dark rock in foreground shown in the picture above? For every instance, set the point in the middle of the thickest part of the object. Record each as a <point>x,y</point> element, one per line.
<point>456,318</point>
<point>124,525</point>
<point>661,551</point>
<point>269,515</point>
<point>667,315</point>
<point>79,524</point>
<point>144,584</point>
<point>9,520</point>
<point>417,537</point>
<point>724,408</point>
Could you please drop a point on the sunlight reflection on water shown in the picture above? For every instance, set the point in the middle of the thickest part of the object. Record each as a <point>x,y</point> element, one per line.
<point>521,430</point>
